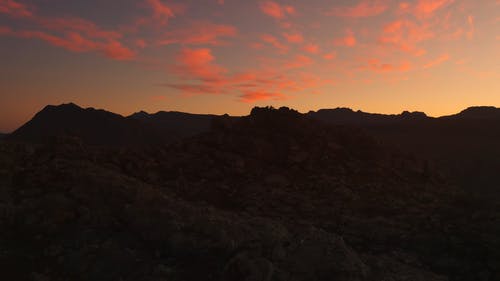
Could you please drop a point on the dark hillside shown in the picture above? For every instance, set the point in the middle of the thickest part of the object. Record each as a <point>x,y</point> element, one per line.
<point>463,145</point>
<point>271,196</point>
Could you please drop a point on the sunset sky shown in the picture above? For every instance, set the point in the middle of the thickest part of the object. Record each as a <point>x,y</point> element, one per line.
<point>226,56</point>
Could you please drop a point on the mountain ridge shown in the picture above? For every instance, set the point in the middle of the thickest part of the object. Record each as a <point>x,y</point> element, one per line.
<point>101,127</point>
<point>343,114</point>
<point>446,140</point>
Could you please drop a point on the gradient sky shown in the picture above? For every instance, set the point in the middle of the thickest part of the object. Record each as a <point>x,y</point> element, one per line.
<point>226,56</point>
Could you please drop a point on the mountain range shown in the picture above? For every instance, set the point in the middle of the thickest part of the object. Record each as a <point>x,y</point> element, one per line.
<point>100,127</point>
<point>464,145</point>
<point>275,195</point>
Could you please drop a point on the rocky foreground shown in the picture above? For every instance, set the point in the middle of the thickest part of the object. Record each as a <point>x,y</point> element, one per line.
<point>271,196</point>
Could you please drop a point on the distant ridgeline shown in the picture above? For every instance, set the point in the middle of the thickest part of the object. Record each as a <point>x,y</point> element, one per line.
<point>100,127</point>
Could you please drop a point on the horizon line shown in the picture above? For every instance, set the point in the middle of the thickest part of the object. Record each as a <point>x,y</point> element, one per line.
<point>272,106</point>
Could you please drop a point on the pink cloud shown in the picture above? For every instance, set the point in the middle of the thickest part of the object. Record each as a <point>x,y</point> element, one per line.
<point>83,26</point>
<point>4,30</point>
<point>72,41</point>
<point>250,97</point>
<point>75,42</point>
<point>349,40</point>
<point>251,85</point>
<point>290,10</point>
<point>198,64</point>
<point>330,56</point>
<point>115,50</point>
<point>365,8</point>
<point>405,35</point>
<point>71,33</point>
<point>311,48</point>
<point>294,37</point>
<point>427,8</point>
<point>189,89</point>
<point>298,61</point>
<point>141,43</point>
<point>286,24</point>
<point>276,10</point>
<point>161,12</point>
<point>377,66</point>
<point>310,81</point>
<point>438,61</point>
<point>256,45</point>
<point>199,33</point>
<point>471,32</point>
<point>404,7</point>
<point>15,9</point>
<point>275,42</point>
<point>222,83</point>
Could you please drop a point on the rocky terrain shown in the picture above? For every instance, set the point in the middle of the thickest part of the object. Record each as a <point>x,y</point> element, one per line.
<point>275,195</point>
<point>463,145</point>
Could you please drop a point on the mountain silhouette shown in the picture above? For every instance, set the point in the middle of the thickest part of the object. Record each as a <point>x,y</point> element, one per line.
<point>178,124</point>
<point>478,112</point>
<point>463,145</point>
<point>91,125</point>
<point>107,128</point>
<point>346,116</point>
<point>100,127</point>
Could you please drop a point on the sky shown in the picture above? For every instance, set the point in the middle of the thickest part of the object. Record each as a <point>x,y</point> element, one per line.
<point>227,56</point>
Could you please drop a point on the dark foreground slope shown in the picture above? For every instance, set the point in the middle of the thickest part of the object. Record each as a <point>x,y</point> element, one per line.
<point>464,145</point>
<point>271,196</point>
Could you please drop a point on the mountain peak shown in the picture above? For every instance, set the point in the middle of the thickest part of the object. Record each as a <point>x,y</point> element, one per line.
<point>140,115</point>
<point>94,126</point>
<point>63,106</point>
<point>346,110</point>
<point>271,110</point>
<point>480,109</point>
<point>480,112</point>
<point>70,105</point>
<point>101,127</point>
<point>413,115</point>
